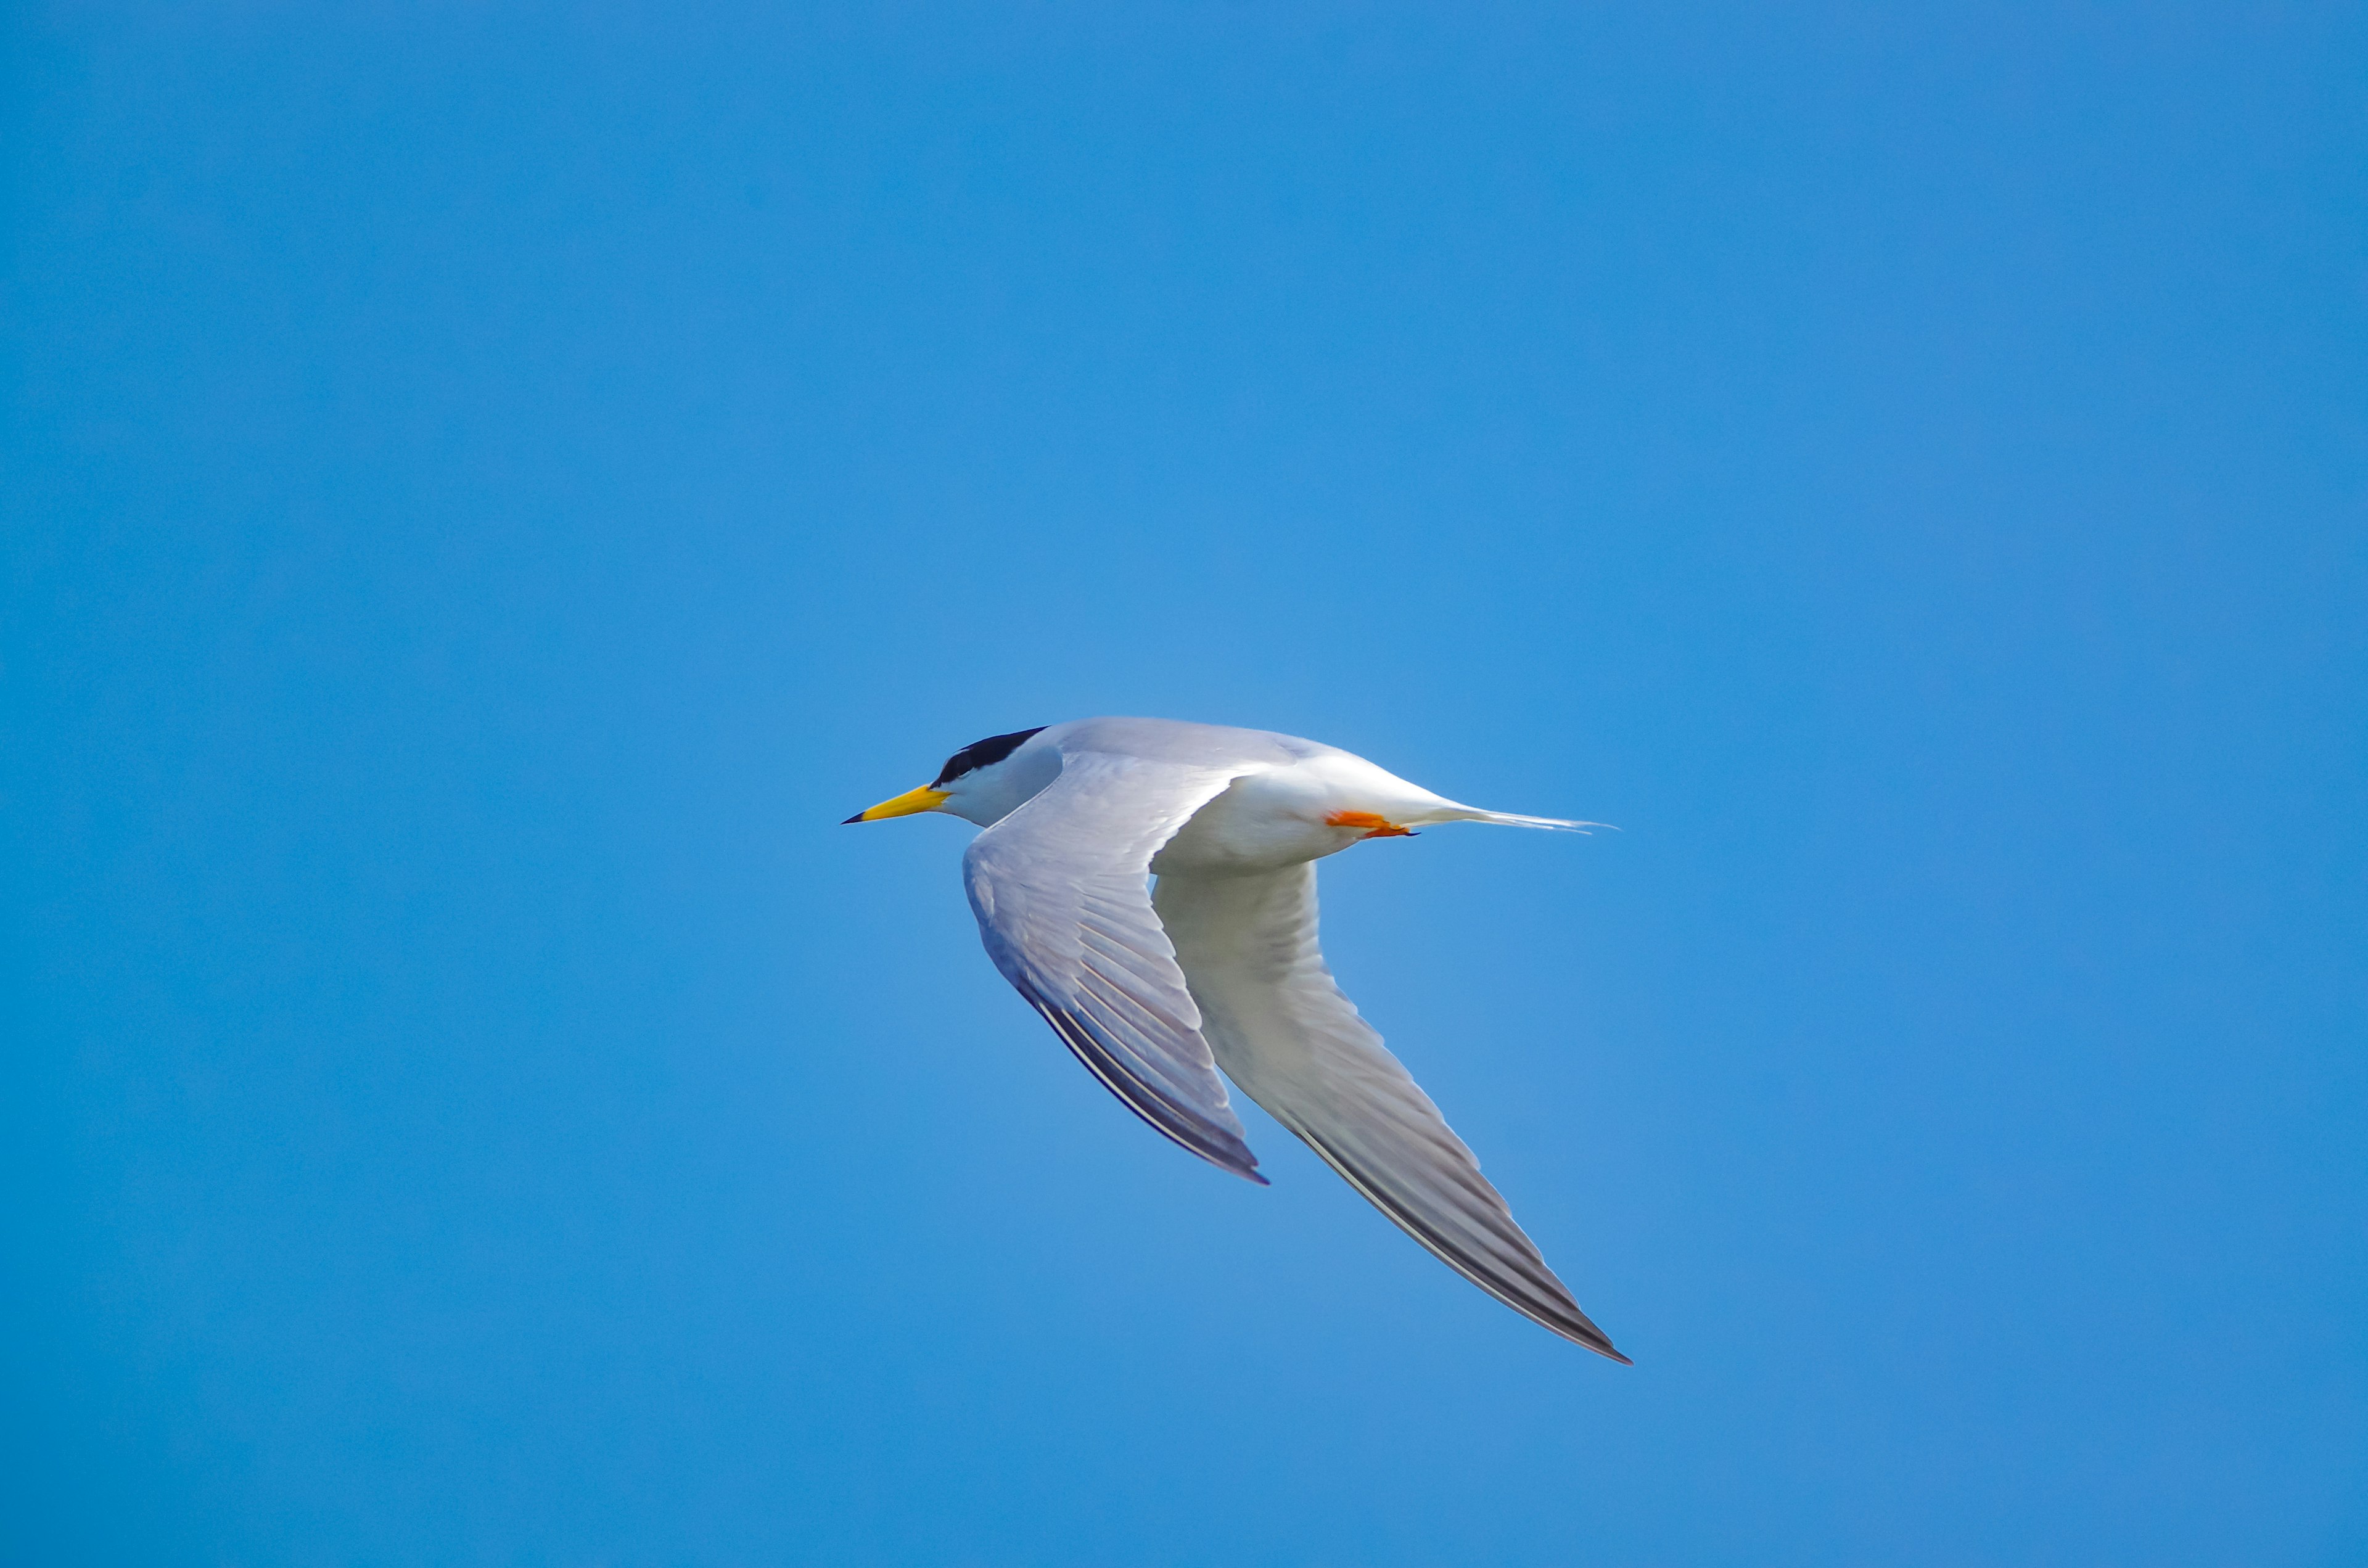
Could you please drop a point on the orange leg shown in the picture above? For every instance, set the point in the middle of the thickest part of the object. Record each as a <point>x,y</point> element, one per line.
<point>1381,827</point>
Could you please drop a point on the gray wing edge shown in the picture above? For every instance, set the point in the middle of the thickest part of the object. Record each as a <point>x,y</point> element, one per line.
<point>1532,1291</point>
<point>1118,1000</point>
<point>1106,1060</point>
<point>1288,1038</point>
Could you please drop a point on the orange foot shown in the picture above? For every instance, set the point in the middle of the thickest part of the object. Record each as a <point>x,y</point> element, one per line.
<point>1381,827</point>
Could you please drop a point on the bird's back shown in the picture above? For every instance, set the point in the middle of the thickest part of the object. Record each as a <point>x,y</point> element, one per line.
<point>1178,739</point>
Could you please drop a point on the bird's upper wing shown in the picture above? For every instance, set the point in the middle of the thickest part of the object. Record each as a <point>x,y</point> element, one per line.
<point>1290,1041</point>
<point>1062,891</point>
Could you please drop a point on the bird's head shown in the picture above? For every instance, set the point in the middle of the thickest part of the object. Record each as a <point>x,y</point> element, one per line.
<point>984,782</point>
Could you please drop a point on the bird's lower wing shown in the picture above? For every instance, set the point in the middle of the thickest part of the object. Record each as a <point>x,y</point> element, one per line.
<point>1061,888</point>
<point>1289,1039</point>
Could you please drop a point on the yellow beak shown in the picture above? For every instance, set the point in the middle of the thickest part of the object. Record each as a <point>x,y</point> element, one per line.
<point>921,800</point>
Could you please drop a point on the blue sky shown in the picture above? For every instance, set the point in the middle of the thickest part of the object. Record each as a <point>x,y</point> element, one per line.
<point>489,488</point>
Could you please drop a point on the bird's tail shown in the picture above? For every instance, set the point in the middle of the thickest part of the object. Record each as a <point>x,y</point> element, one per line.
<point>1511,819</point>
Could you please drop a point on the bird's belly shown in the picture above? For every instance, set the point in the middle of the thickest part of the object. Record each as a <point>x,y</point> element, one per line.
<point>1262,823</point>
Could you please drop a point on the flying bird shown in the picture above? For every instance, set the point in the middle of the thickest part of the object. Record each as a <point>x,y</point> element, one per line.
<point>1157,985</point>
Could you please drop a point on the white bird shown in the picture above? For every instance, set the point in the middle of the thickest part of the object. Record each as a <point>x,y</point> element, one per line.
<point>1155,986</point>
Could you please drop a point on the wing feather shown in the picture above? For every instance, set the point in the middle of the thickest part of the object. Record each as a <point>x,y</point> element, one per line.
<point>1290,1039</point>
<point>1061,890</point>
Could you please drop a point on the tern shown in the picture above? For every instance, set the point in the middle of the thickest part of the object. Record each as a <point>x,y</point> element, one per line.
<point>1156,985</point>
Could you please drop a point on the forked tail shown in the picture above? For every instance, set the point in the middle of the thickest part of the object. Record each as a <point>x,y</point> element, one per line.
<point>1512,819</point>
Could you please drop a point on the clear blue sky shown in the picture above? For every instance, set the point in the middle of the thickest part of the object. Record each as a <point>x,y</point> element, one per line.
<point>488,489</point>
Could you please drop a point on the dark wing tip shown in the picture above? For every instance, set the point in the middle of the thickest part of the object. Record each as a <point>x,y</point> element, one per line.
<point>1581,1333</point>
<point>1551,1309</point>
<point>1180,1124</point>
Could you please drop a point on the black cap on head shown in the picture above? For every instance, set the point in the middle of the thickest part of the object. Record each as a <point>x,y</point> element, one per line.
<point>981,753</point>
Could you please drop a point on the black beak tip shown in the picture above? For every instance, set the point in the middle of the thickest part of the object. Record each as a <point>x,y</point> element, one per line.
<point>857,817</point>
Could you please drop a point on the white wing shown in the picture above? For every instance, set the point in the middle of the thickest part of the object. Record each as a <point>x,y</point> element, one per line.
<point>1062,891</point>
<point>1289,1039</point>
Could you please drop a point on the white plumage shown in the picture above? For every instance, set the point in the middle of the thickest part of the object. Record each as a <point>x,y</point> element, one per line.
<point>1156,988</point>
